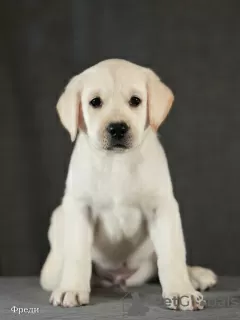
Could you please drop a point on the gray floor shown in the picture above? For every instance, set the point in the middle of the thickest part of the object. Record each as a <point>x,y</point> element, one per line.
<point>143,303</point>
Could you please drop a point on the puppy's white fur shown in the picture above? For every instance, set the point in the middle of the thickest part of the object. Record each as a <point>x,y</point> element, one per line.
<point>118,207</point>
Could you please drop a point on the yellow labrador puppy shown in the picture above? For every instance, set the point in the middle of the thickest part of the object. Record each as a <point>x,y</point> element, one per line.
<point>118,212</point>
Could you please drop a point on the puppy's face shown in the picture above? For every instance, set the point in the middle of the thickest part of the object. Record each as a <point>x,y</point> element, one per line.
<point>113,102</point>
<point>114,106</point>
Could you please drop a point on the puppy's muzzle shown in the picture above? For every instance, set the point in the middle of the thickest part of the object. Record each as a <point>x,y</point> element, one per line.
<point>117,132</point>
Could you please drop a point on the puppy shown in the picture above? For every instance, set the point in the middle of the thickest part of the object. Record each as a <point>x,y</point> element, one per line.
<point>118,212</point>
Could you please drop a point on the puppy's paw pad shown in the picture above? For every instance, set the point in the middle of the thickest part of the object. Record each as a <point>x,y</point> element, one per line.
<point>69,299</point>
<point>189,301</point>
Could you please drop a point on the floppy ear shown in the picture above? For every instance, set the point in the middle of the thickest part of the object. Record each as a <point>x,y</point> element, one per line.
<point>69,107</point>
<point>160,99</point>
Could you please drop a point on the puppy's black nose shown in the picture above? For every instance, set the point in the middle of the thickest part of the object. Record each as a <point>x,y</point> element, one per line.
<point>117,130</point>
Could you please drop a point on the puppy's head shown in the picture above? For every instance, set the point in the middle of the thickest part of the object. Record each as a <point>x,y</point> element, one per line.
<point>114,102</point>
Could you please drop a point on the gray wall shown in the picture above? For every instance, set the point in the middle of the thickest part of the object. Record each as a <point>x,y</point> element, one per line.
<point>193,45</point>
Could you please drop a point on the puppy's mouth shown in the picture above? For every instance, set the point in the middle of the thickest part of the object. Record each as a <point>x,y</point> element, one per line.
<point>117,146</point>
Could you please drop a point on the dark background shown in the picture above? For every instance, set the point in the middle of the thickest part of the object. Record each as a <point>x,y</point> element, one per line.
<point>193,45</point>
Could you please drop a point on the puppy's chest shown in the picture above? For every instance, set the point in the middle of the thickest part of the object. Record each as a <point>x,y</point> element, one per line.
<point>118,223</point>
<point>116,202</point>
<point>116,186</point>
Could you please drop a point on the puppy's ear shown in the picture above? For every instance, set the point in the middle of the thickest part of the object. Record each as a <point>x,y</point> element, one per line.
<point>160,99</point>
<point>69,107</point>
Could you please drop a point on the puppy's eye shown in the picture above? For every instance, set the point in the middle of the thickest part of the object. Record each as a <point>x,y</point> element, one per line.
<point>134,101</point>
<point>96,102</point>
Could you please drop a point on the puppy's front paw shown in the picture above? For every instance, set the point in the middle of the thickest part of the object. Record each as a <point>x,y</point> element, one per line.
<point>69,298</point>
<point>184,300</point>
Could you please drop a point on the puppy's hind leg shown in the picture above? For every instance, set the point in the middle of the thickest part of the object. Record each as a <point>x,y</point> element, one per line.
<point>202,278</point>
<point>52,268</point>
